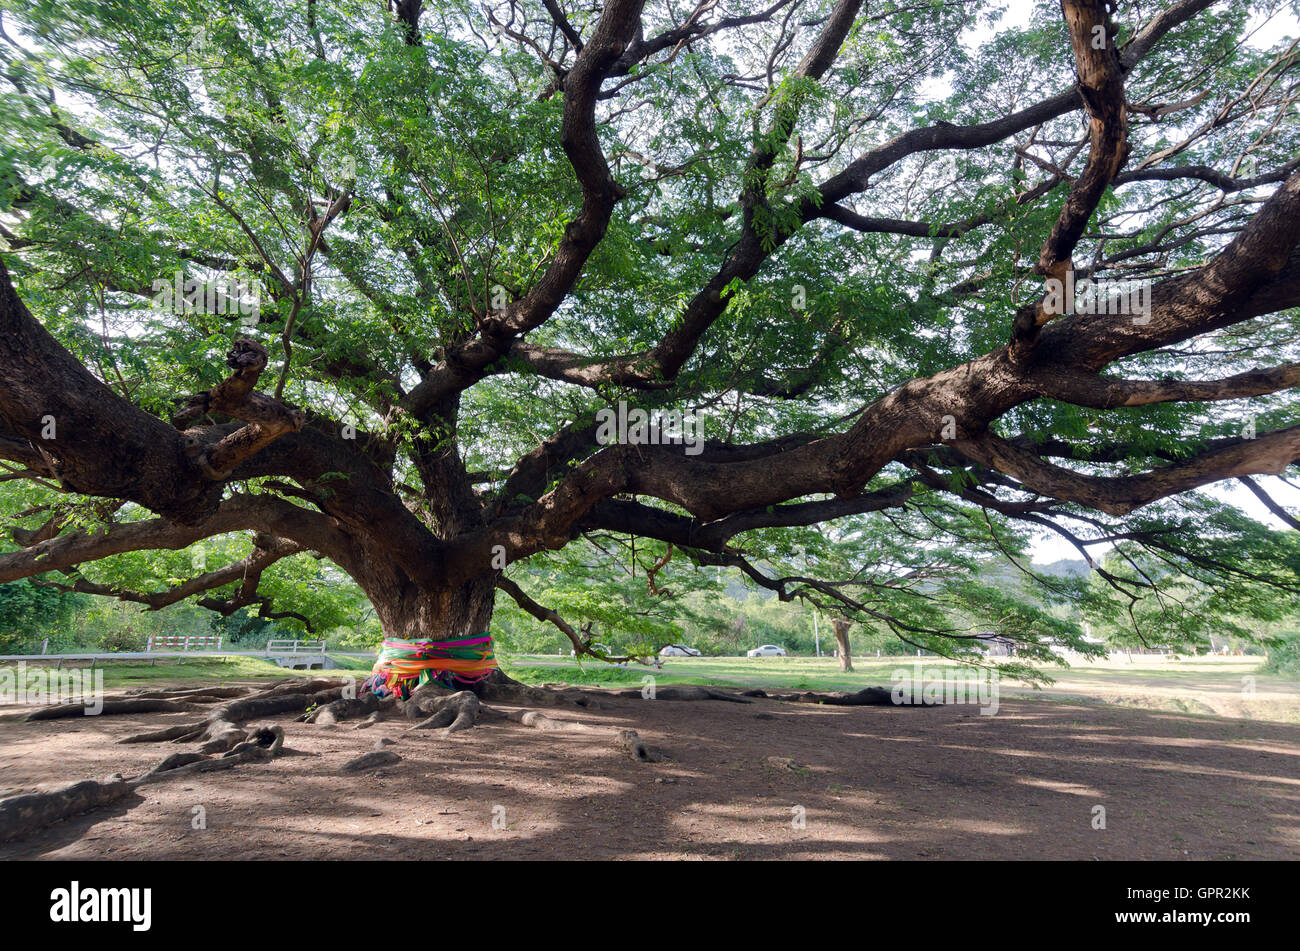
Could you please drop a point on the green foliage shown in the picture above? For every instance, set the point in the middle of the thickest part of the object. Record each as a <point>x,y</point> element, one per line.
<point>1284,655</point>
<point>30,613</point>
<point>247,630</point>
<point>215,121</point>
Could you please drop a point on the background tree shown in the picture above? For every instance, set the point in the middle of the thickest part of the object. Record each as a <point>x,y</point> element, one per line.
<point>825,229</point>
<point>844,651</point>
<point>30,613</point>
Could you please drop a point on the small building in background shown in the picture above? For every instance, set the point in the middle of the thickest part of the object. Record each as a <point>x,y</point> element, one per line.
<point>993,644</point>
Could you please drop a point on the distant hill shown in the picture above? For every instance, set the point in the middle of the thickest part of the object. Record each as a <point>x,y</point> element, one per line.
<point>737,587</point>
<point>1063,568</point>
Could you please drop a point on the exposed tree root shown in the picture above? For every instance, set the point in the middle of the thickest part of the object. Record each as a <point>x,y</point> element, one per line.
<point>442,708</point>
<point>175,760</point>
<point>62,710</point>
<point>500,688</point>
<point>867,697</point>
<point>170,733</point>
<point>299,685</point>
<point>369,761</point>
<point>20,815</point>
<point>220,731</point>
<point>260,743</point>
<point>242,703</point>
<point>223,743</point>
<point>192,694</point>
<point>627,740</point>
<point>343,709</point>
<point>27,813</point>
<point>454,711</point>
<point>254,707</point>
<point>689,693</point>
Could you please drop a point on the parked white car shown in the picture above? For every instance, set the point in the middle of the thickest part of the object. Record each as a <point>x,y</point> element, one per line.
<point>679,650</point>
<point>767,650</point>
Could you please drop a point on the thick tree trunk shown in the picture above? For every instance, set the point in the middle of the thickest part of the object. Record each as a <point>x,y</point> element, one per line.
<point>410,612</point>
<point>842,642</point>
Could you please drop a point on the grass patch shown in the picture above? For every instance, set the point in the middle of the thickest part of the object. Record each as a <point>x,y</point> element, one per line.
<point>208,669</point>
<point>1192,686</point>
<point>351,663</point>
<point>588,675</point>
<point>780,673</point>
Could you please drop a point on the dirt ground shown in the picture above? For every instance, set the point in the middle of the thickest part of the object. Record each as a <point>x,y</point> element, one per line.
<point>867,782</point>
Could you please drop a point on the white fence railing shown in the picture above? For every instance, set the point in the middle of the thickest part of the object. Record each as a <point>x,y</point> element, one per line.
<point>286,646</point>
<point>205,642</point>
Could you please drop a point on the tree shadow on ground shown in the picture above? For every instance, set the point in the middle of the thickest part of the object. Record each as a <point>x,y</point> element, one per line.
<point>804,781</point>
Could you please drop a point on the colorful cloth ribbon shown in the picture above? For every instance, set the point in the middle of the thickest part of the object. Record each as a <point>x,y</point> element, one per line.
<point>404,665</point>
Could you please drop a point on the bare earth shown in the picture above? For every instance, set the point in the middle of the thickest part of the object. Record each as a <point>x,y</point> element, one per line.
<point>873,782</point>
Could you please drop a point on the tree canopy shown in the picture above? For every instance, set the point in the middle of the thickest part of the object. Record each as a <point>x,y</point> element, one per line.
<point>343,287</point>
